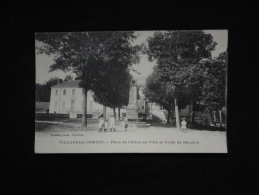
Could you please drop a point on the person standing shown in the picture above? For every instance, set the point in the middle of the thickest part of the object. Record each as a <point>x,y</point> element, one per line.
<point>126,123</point>
<point>183,124</point>
<point>101,123</point>
<point>105,125</point>
<point>112,123</point>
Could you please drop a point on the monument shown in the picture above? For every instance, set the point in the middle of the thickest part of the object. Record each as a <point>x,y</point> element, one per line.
<point>132,108</point>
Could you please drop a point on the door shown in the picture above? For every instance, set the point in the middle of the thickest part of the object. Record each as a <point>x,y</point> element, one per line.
<point>72,105</point>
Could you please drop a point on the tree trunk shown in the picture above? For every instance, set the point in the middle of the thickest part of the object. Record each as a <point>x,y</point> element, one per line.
<point>177,114</point>
<point>172,116</point>
<point>104,112</point>
<point>114,113</point>
<point>119,112</point>
<point>214,115</point>
<point>208,119</point>
<point>84,117</point>
<point>168,116</point>
<point>192,112</point>
<point>151,111</point>
<point>220,118</point>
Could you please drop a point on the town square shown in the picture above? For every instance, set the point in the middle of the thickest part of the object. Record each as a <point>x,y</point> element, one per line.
<point>131,92</point>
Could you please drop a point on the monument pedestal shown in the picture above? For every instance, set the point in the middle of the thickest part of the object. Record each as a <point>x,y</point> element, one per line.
<point>132,108</point>
<point>132,111</point>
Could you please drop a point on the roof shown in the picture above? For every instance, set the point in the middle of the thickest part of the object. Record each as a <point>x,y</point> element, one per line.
<point>68,84</point>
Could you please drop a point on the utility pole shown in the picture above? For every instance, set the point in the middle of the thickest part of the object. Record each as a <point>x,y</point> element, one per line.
<point>177,114</point>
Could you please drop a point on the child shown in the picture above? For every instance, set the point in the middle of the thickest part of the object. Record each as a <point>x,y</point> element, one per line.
<point>105,125</point>
<point>100,125</point>
<point>112,123</point>
<point>126,123</point>
<point>183,123</point>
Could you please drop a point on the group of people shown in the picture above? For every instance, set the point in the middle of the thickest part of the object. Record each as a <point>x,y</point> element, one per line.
<point>105,124</point>
<point>110,124</point>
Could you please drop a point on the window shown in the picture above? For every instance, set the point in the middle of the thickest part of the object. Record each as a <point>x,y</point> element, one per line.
<point>63,104</point>
<point>64,92</point>
<point>73,92</point>
<point>56,92</point>
<point>56,104</point>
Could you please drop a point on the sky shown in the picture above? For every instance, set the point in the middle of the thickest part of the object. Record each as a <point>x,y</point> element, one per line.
<point>145,67</point>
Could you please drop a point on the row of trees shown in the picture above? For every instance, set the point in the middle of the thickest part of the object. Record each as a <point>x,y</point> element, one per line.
<point>185,72</point>
<point>101,60</point>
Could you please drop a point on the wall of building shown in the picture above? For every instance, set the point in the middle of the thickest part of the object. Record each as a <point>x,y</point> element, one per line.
<point>61,102</point>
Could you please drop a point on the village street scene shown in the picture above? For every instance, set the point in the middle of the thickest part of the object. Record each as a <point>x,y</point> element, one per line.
<point>131,92</point>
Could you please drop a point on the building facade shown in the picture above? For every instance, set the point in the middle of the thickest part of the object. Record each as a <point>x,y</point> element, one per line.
<point>67,97</point>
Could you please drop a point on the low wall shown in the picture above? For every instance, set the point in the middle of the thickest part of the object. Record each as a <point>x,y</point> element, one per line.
<point>52,115</point>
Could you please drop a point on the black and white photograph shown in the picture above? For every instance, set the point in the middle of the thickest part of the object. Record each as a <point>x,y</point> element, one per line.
<point>161,91</point>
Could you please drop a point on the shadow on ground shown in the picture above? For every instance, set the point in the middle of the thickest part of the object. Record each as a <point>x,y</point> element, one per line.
<point>206,128</point>
<point>193,127</point>
<point>41,127</point>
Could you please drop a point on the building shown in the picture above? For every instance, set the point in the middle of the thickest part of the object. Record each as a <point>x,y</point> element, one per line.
<point>67,97</point>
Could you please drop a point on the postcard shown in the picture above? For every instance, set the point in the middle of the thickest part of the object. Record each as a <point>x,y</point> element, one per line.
<point>161,91</point>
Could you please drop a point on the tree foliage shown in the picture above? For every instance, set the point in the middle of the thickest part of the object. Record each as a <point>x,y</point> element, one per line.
<point>93,56</point>
<point>80,52</point>
<point>214,87</point>
<point>113,87</point>
<point>179,71</point>
<point>42,92</point>
<point>68,78</point>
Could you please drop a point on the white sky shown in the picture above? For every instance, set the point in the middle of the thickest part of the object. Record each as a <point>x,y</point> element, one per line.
<point>144,67</point>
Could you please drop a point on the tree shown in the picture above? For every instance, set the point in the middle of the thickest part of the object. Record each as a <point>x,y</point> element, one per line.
<point>43,90</point>
<point>214,87</point>
<point>154,92</point>
<point>88,55</point>
<point>113,89</point>
<point>179,55</point>
<point>68,78</point>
